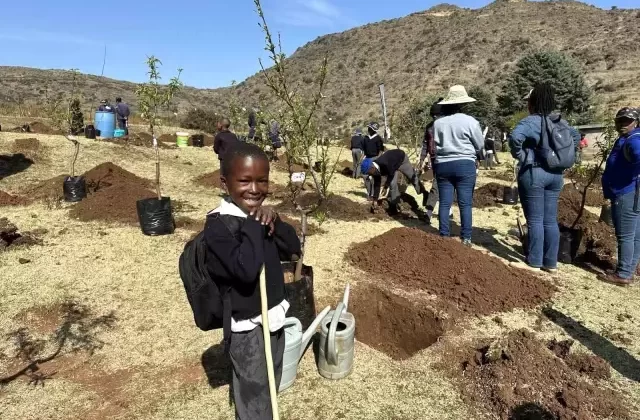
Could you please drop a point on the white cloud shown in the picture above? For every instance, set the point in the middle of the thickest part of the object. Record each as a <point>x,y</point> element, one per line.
<point>312,13</point>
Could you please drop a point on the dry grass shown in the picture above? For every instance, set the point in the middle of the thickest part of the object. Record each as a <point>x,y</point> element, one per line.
<point>149,366</point>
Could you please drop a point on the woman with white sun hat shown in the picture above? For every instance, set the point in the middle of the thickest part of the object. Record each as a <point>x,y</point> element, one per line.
<point>459,140</point>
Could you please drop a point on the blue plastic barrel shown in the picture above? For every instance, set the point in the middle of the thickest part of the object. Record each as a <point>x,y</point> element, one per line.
<point>106,123</point>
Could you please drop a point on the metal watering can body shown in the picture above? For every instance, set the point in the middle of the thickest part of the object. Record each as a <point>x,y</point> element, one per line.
<point>296,342</point>
<point>337,337</point>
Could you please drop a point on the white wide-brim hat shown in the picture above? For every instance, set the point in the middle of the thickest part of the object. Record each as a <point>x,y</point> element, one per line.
<point>457,95</point>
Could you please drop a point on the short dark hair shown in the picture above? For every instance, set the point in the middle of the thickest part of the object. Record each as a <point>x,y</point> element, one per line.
<point>242,150</point>
<point>543,99</point>
<point>450,109</point>
<point>118,99</point>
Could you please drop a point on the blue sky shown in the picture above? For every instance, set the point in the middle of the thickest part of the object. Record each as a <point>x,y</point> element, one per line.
<point>215,41</point>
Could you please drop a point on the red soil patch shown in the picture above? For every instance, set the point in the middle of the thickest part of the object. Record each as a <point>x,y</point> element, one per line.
<point>112,204</point>
<point>345,168</point>
<point>504,176</point>
<point>599,245</point>
<point>489,195</point>
<point>393,324</point>
<point>108,174</point>
<point>42,319</point>
<point>7,199</point>
<point>168,138</point>
<point>335,207</point>
<point>50,189</point>
<point>574,197</point>
<point>506,375</point>
<point>210,179</point>
<point>11,237</point>
<point>479,285</point>
<point>282,165</point>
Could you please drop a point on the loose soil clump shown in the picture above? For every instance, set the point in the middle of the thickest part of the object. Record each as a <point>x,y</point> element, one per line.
<point>392,324</point>
<point>7,199</point>
<point>334,207</point>
<point>108,174</point>
<point>112,204</point>
<point>506,374</point>
<point>479,285</point>
<point>574,197</point>
<point>36,128</point>
<point>489,195</point>
<point>11,237</point>
<point>210,179</point>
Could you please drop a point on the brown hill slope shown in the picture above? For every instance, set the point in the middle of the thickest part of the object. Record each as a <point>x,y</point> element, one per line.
<point>421,53</point>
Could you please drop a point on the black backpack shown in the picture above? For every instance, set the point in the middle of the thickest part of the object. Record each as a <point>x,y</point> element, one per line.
<point>210,303</point>
<point>556,150</point>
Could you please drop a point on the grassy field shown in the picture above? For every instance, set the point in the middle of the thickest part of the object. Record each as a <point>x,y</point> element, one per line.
<point>135,352</point>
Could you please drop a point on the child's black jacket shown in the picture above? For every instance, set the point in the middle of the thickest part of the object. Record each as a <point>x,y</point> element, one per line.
<point>234,260</point>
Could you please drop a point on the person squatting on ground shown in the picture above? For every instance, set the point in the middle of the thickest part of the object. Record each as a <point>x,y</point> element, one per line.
<point>389,164</point>
<point>235,259</point>
<point>430,199</point>
<point>357,144</point>
<point>122,115</point>
<point>538,185</point>
<point>373,146</point>
<point>458,140</point>
<point>621,185</point>
<point>224,139</point>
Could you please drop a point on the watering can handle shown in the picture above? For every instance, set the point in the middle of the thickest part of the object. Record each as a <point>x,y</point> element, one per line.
<point>332,352</point>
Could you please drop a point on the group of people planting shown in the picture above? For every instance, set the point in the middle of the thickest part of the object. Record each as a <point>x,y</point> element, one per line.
<point>544,146</point>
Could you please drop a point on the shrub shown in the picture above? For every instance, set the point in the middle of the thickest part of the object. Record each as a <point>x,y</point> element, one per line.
<point>200,119</point>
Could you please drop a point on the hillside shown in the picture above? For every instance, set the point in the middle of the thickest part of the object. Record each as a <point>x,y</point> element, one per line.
<point>421,53</point>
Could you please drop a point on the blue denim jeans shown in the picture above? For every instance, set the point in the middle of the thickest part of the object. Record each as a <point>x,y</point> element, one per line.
<point>458,175</point>
<point>627,226</point>
<point>539,191</point>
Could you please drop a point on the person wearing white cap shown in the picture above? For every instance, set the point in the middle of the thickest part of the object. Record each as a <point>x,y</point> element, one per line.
<point>458,140</point>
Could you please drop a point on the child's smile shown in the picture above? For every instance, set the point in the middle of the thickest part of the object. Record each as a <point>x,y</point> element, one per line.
<point>248,183</point>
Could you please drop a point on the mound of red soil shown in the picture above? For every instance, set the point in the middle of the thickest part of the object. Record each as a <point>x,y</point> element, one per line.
<point>108,174</point>
<point>10,236</point>
<point>7,199</point>
<point>50,189</point>
<point>41,128</point>
<point>334,207</point>
<point>506,375</point>
<point>345,168</point>
<point>210,179</point>
<point>599,246</point>
<point>167,138</point>
<point>112,204</point>
<point>478,285</point>
<point>29,144</point>
<point>489,195</point>
<point>312,229</point>
<point>574,197</point>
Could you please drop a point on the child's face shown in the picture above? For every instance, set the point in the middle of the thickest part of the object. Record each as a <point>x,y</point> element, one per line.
<point>248,182</point>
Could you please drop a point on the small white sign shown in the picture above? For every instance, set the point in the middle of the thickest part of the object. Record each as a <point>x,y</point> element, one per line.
<point>298,177</point>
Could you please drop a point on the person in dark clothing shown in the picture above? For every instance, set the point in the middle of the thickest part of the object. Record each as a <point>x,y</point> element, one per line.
<point>621,185</point>
<point>431,198</point>
<point>235,261</point>
<point>122,115</point>
<point>373,146</point>
<point>491,152</point>
<point>105,106</point>
<point>253,123</point>
<point>357,144</point>
<point>224,139</point>
<point>389,164</point>
<point>274,136</point>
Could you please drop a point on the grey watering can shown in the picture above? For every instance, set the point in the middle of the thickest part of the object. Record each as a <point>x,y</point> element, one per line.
<point>295,345</point>
<point>337,336</point>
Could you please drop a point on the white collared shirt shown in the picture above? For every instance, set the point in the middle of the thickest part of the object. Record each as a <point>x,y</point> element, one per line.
<point>278,313</point>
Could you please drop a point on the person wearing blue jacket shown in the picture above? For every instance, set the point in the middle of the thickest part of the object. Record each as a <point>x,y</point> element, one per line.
<point>539,189</point>
<point>621,185</point>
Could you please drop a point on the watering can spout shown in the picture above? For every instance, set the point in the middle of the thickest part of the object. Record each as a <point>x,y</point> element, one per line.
<point>306,336</point>
<point>345,298</point>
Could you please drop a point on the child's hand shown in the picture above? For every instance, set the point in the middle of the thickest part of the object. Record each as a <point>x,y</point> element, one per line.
<point>266,216</point>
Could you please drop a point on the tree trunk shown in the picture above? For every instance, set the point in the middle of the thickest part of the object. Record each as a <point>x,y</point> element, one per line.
<point>299,263</point>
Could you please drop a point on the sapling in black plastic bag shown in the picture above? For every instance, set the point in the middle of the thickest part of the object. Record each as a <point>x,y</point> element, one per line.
<point>155,214</point>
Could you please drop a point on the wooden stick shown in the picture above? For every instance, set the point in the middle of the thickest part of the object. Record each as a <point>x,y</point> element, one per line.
<point>267,345</point>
